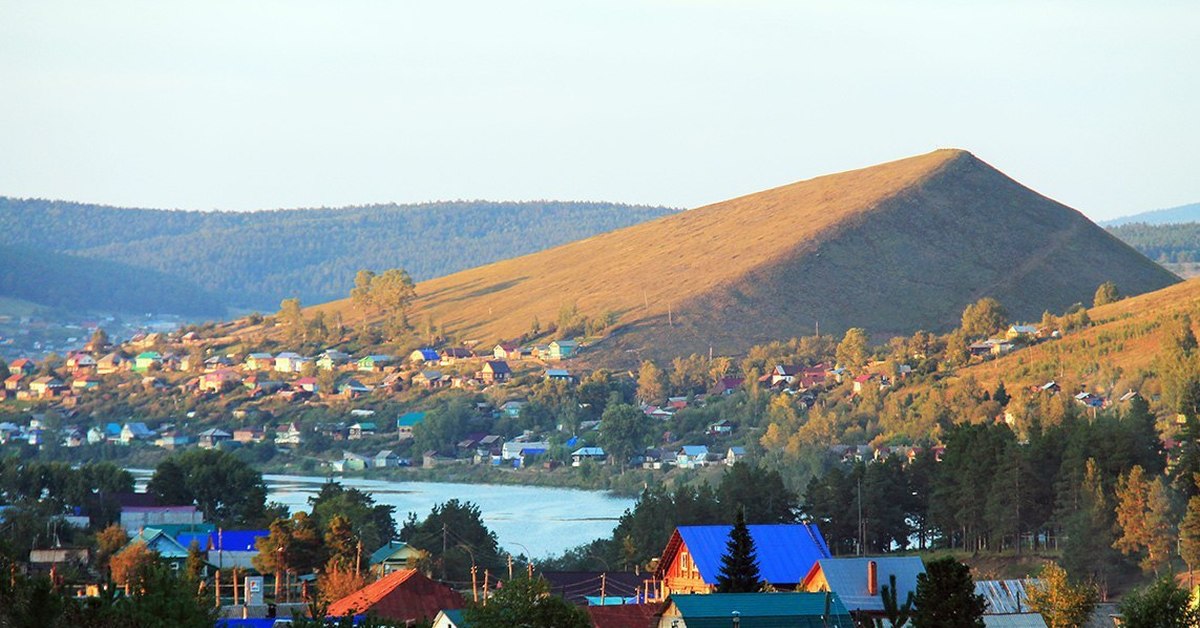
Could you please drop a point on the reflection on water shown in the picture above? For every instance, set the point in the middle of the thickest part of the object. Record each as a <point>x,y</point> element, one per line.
<point>542,520</point>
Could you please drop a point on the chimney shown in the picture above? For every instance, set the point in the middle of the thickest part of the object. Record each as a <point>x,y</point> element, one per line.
<point>872,578</point>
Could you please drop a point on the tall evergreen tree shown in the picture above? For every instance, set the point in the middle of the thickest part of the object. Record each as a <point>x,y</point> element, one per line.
<point>739,566</point>
<point>896,614</point>
<point>1189,536</point>
<point>946,597</point>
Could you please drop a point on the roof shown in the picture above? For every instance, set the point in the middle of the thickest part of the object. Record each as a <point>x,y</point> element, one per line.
<point>577,586</point>
<point>624,615</point>
<point>588,451</point>
<point>557,373</point>
<point>1003,596</point>
<point>1015,620</point>
<point>786,552</point>
<point>224,540</point>
<point>389,550</point>
<point>800,609</point>
<point>497,366</point>
<point>848,578</point>
<point>410,419</point>
<point>404,595</point>
<point>428,354</point>
<point>694,450</point>
<point>455,616</point>
<point>160,542</point>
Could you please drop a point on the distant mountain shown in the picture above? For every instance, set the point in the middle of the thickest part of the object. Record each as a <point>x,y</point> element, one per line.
<point>252,260</point>
<point>893,248</point>
<point>67,281</point>
<point>1172,215</point>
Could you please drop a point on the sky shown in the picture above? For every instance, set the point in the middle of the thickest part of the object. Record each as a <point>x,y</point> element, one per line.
<point>254,105</point>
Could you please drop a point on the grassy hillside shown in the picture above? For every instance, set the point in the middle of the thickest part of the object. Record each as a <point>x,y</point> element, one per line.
<point>59,280</point>
<point>1117,352</point>
<point>893,248</point>
<point>254,259</point>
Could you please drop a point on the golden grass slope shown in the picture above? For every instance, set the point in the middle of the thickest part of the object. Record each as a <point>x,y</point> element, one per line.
<point>893,247</point>
<point>1117,352</point>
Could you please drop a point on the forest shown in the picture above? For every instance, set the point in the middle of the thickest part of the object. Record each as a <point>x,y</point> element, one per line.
<point>1167,243</point>
<point>252,260</point>
<point>60,280</point>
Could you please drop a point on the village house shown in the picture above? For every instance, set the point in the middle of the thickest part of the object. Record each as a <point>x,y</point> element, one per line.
<point>135,431</point>
<point>507,351</point>
<point>307,384</point>
<point>226,549</point>
<point>46,387</point>
<point>146,361</point>
<point>405,596</point>
<point>110,363</point>
<point>450,355</point>
<point>728,385</point>
<point>516,452</point>
<point>289,434</point>
<point>212,438</point>
<point>259,362</point>
<point>166,549</point>
<point>734,455</point>
<point>512,409</point>
<point>386,459</point>
<point>494,371</point>
<point>424,356</point>
<point>215,363</point>
<point>86,381</point>
<point>374,363</point>
<point>332,359</point>
<point>595,454</point>
<point>249,435</point>
<point>169,440</point>
<point>287,362</point>
<point>218,381</point>
<point>754,610</point>
<point>134,518</point>
<point>724,427</point>
<point>562,349</point>
<point>562,374</point>
<point>691,560</point>
<point>24,366</point>
<point>395,556</point>
<point>1021,332</point>
<point>95,435</point>
<point>429,379</point>
<point>80,362</point>
<point>13,382</point>
<point>351,462</point>
<point>406,423</point>
<point>352,388</point>
<point>691,457</point>
<point>360,430</point>
<point>857,581</point>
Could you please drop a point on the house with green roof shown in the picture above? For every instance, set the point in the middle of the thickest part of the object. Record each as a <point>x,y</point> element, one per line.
<point>145,360</point>
<point>755,610</point>
<point>406,423</point>
<point>394,556</point>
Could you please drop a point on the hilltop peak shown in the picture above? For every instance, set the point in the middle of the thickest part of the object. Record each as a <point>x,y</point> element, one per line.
<point>895,247</point>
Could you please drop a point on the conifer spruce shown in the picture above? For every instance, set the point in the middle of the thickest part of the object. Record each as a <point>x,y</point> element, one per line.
<point>739,566</point>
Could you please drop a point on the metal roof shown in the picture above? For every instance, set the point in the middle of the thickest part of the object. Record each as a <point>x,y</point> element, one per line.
<point>848,578</point>
<point>785,552</point>
<point>759,610</point>
<point>1016,620</point>
<point>1004,597</point>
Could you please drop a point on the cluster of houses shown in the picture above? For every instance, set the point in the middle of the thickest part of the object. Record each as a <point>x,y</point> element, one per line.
<point>808,586</point>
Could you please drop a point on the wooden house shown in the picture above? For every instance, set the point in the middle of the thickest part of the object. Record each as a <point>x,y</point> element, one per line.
<point>691,561</point>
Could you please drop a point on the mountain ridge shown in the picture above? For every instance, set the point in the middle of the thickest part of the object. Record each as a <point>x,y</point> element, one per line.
<point>892,247</point>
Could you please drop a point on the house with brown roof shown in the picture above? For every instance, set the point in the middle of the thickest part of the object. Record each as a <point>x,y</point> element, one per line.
<point>111,363</point>
<point>507,351</point>
<point>46,386</point>
<point>402,596</point>
<point>13,382</point>
<point>24,366</point>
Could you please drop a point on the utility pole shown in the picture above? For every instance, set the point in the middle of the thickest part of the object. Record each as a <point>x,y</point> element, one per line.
<point>603,587</point>
<point>486,575</point>
<point>358,559</point>
<point>444,550</point>
<point>510,566</point>
<point>474,584</point>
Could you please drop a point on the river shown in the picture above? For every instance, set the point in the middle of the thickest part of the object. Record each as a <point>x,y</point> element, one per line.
<point>533,520</point>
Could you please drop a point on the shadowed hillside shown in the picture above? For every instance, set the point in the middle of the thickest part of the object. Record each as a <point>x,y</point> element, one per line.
<point>253,259</point>
<point>893,248</point>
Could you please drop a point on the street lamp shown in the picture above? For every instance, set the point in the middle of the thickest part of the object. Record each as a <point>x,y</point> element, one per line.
<point>737,619</point>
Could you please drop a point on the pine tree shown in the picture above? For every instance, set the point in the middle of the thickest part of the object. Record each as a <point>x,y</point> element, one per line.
<point>1189,536</point>
<point>739,566</point>
<point>896,614</point>
<point>946,597</point>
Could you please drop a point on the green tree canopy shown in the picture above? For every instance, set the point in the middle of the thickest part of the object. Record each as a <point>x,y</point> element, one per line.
<point>739,566</point>
<point>946,597</point>
<point>984,318</point>
<point>528,603</point>
<point>225,489</point>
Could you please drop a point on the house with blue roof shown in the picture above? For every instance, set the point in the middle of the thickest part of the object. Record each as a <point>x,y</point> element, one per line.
<point>691,456</point>
<point>226,549</point>
<point>857,581</point>
<point>691,561</point>
<point>169,550</point>
<point>394,556</point>
<point>756,610</point>
<point>595,454</point>
<point>426,354</point>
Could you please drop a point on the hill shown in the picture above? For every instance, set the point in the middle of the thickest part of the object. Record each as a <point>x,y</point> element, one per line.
<point>1171,215</point>
<point>1118,351</point>
<point>67,281</point>
<point>252,260</point>
<point>893,248</point>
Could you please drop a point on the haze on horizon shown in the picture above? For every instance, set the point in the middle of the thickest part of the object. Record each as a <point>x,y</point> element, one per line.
<point>233,105</point>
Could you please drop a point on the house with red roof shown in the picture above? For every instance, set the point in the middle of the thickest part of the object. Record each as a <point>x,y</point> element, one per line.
<point>13,382</point>
<point>401,596</point>
<point>25,366</point>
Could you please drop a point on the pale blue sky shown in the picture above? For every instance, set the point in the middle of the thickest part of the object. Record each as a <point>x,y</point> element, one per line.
<point>242,105</point>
